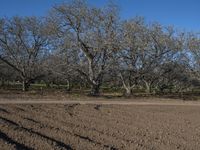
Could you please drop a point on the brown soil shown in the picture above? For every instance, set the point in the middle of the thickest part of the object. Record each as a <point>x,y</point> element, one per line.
<point>98,126</point>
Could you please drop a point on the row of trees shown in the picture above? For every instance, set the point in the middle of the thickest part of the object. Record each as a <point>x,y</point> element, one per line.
<point>80,44</point>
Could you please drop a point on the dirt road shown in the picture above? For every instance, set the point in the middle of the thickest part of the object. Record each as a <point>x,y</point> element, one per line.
<point>104,102</point>
<point>99,125</point>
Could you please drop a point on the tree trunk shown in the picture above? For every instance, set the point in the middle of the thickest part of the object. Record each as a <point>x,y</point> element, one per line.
<point>128,92</point>
<point>148,87</point>
<point>127,86</point>
<point>95,90</point>
<point>48,85</point>
<point>25,85</point>
<point>69,87</point>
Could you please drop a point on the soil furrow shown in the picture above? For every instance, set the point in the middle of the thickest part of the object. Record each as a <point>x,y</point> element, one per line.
<point>17,145</point>
<point>18,127</point>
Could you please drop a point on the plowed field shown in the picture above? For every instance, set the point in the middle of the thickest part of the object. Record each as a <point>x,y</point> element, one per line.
<point>96,126</point>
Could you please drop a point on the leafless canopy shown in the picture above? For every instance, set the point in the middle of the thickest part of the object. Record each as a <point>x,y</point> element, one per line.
<point>81,45</point>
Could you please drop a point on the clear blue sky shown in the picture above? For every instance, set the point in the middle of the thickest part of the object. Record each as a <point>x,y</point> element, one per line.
<point>184,14</point>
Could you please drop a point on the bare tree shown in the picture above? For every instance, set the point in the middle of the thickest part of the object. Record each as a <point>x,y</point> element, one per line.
<point>81,44</point>
<point>23,46</point>
<point>133,45</point>
<point>164,45</point>
<point>94,32</point>
<point>144,48</point>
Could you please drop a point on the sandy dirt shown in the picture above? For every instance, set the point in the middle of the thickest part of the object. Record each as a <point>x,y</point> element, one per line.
<point>91,126</point>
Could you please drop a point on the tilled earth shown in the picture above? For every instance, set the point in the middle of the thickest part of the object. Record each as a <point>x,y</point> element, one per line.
<point>90,127</point>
